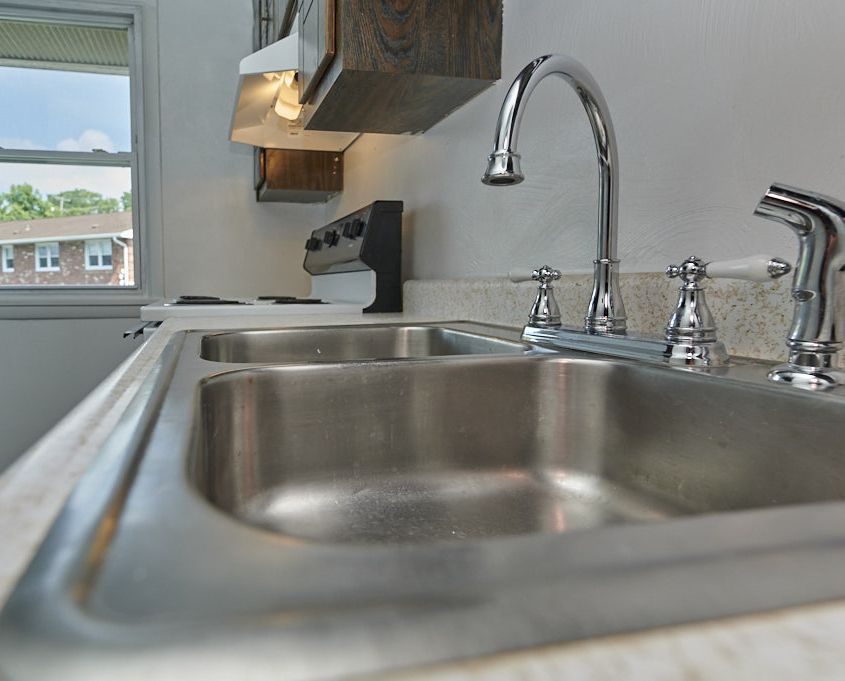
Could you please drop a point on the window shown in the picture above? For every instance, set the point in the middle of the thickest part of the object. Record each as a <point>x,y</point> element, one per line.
<point>72,81</point>
<point>8,258</point>
<point>98,254</point>
<point>47,257</point>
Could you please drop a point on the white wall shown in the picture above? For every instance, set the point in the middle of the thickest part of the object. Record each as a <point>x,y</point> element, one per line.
<point>48,366</point>
<point>712,100</point>
<point>217,239</point>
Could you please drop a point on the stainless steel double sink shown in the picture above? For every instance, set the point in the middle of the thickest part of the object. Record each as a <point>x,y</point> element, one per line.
<point>337,502</point>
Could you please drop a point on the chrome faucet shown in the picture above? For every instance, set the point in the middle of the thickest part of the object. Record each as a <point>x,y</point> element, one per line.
<point>606,313</point>
<point>690,335</point>
<point>816,333</point>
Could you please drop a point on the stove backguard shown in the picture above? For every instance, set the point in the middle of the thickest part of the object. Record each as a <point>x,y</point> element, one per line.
<point>369,239</point>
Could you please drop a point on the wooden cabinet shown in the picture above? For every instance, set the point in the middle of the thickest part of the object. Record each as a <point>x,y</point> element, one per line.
<point>399,66</point>
<point>298,176</point>
<point>385,66</point>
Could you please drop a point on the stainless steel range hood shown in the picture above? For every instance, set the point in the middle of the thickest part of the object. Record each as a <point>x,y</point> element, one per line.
<point>266,87</point>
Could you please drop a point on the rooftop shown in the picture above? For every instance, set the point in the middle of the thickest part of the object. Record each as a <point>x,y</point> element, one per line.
<point>74,228</point>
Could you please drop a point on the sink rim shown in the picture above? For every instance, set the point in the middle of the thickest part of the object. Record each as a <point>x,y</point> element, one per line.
<point>508,341</point>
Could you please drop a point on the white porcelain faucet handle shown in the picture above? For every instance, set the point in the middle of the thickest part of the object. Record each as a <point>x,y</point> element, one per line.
<point>753,268</point>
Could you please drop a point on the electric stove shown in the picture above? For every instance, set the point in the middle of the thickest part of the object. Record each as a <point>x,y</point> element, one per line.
<point>355,266</point>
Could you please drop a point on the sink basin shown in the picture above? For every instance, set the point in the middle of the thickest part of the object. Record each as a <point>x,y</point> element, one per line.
<point>415,452</point>
<point>333,344</point>
<point>326,520</point>
<point>418,452</point>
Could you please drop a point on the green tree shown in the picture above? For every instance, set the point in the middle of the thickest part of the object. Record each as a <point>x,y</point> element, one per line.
<point>81,202</point>
<point>23,202</point>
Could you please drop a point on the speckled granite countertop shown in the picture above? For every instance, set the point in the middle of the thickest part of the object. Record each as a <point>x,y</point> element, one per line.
<point>752,319</point>
<point>798,643</point>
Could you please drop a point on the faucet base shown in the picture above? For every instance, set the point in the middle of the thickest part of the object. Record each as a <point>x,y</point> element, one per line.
<point>812,365</point>
<point>807,378</point>
<point>683,353</point>
<point>703,353</point>
<point>606,312</point>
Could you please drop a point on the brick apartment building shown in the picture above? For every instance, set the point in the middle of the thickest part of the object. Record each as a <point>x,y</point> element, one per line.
<point>82,250</point>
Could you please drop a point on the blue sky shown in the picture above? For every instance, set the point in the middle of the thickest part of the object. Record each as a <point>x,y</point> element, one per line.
<point>67,111</point>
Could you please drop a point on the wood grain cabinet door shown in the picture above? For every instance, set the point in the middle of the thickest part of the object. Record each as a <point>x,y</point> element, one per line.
<point>395,66</point>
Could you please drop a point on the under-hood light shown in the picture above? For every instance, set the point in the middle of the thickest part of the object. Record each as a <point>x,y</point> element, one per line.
<point>267,110</point>
<point>287,97</point>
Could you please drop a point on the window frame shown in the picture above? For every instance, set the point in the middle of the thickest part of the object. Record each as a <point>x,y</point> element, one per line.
<point>10,249</point>
<point>88,252</point>
<point>49,267</point>
<point>139,18</point>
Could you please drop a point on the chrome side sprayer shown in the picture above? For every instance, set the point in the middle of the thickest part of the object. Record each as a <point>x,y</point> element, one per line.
<point>816,335</point>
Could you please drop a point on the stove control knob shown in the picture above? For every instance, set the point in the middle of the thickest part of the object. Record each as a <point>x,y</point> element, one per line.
<point>327,237</point>
<point>357,228</point>
<point>313,244</point>
<point>347,230</point>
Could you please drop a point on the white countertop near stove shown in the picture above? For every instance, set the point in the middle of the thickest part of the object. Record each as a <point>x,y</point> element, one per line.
<point>798,643</point>
<point>161,310</point>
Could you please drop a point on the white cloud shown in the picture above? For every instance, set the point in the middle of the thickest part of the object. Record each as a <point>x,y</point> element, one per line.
<point>17,143</point>
<point>88,141</point>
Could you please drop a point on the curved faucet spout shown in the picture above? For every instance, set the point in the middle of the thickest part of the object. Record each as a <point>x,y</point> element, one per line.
<point>606,312</point>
